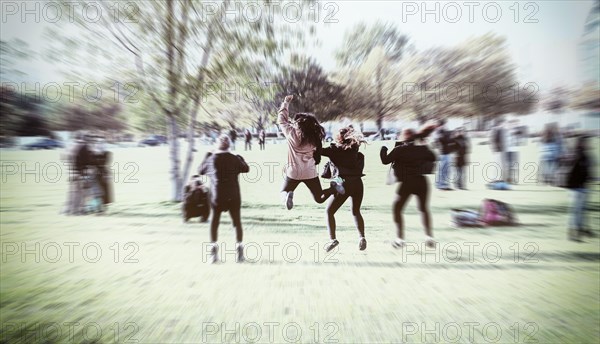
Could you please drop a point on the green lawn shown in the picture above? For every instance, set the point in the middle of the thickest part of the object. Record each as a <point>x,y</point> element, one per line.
<point>138,273</point>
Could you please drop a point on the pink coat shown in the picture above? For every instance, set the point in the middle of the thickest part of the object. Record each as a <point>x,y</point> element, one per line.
<point>301,164</point>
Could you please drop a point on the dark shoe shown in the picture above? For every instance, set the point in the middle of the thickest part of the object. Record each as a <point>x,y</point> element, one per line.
<point>586,232</point>
<point>289,200</point>
<point>240,252</point>
<point>362,244</point>
<point>331,245</point>
<point>575,235</point>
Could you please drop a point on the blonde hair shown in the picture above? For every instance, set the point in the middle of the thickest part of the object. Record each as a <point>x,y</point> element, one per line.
<point>348,138</point>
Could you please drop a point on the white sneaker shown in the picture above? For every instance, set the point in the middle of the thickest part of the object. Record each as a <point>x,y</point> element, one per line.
<point>430,242</point>
<point>240,252</point>
<point>214,255</point>
<point>398,243</point>
<point>362,244</point>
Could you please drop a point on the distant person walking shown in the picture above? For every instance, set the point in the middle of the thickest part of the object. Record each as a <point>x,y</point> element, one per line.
<point>550,152</point>
<point>349,164</point>
<point>223,169</point>
<point>262,138</point>
<point>577,181</point>
<point>411,160</point>
<point>498,143</point>
<point>446,145</point>
<point>233,137</point>
<point>247,140</point>
<point>462,149</point>
<point>78,157</point>
<point>304,136</point>
<point>515,139</point>
<point>101,161</point>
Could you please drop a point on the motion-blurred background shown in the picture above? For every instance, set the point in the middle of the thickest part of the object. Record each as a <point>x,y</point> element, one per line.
<point>155,82</point>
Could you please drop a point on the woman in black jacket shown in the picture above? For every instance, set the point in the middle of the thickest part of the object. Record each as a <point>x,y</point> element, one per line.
<point>349,164</point>
<point>410,162</point>
<point>223,169</point>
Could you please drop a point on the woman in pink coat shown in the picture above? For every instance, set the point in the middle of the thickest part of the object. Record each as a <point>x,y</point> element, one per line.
<point>304,137</point>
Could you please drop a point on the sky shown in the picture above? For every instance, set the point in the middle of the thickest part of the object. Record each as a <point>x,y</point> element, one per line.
<point>544,51</point>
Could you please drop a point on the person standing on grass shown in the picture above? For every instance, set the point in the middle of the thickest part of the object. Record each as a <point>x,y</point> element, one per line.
<point>498,145</point>
<point>446,145</point>
<point>233,137</point>
<point>262,137</point>
<point>304,136</point>
<point>577,180</point>
<point>247,140</point>
<point>349,164</point>
<point>411,160</point>
<point>462,147</point>
<point>223,169</point>
<point>514,138</point>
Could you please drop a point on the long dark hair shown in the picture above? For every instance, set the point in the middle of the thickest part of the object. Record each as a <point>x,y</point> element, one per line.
<point>311,130</point>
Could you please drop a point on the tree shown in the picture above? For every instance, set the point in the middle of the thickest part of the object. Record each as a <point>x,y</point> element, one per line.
<point>179,47</point>
<point>313,91</point>
<point>368,59</point>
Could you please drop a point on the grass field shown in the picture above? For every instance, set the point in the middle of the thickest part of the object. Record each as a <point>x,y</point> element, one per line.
<point>138,274</point>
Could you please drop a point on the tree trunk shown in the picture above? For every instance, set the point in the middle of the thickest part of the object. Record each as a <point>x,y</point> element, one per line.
<point>176,181</point>
<point>189,159</point>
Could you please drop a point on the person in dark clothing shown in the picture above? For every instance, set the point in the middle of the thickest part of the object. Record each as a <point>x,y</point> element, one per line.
<point>102,159</point>
<point>233,137</point>
<point>462,147</point>
<point>262,137</point>
<point>410,162</point>
<point>223,169</point>
<point>445,143</point>
<point>247,140</point>
<point>577,180</point>
<point>349,164</point>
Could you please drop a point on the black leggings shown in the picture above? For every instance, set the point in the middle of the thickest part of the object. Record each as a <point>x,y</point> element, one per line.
<point>413,185</point>
<point>234,212</point>
<point>314,185</point>
<point>354,189</point>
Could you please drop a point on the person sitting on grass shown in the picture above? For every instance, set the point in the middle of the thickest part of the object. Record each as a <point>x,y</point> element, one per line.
<point>223,169</point>
<point>304,136</point>
<point>411,161</point>
<point>349,164</point>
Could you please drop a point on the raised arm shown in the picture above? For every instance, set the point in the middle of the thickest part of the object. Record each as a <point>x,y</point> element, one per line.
<point>283,119</point>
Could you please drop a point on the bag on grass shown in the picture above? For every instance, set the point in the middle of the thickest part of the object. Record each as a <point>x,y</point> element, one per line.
<point>465,218</point>
<point>498,185</point>
<point>497,213</point>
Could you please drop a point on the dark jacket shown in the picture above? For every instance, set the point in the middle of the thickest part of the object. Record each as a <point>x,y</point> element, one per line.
<point>445,142</point>
<point>498,144</point>
<point>82,159</point>
<point>409,160</point>
<point>461,144</point>
<point>223,170</point>
<point>349,162</point>
<point>580,172</point>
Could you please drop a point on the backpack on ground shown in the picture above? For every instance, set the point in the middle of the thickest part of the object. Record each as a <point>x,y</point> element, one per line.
<point>491,213</point>
<point>497,213</point>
